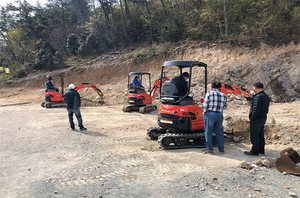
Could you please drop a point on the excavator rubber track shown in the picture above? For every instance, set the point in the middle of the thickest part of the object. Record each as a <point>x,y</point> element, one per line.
<point>155,132</point>
<point>182,140</point>
<point>141,109</point>
<point>147,108</point>
<point>53,104</point>
<point>130,108</point>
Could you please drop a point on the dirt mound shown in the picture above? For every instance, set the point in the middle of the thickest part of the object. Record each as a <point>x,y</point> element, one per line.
<point>241,129</point>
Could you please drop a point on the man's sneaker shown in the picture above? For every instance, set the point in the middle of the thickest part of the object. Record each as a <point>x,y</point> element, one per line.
<point>73,128</point>
<point>206,151</point>
<point>221,152</point>
<point>83,129</point>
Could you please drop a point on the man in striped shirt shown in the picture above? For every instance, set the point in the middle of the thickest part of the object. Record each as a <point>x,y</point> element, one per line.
<point>214,103</point>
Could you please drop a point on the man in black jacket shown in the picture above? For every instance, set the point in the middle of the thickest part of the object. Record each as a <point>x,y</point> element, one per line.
<point>72,98</point>
<point>258,116</point>
<point>181,83</point>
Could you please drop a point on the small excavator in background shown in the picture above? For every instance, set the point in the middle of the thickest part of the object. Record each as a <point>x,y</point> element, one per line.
<point>54,98</point>
<point>137,96</point>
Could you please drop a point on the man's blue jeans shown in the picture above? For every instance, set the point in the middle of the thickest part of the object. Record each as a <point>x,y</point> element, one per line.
<point>77,114</point>
<point>214,120</point>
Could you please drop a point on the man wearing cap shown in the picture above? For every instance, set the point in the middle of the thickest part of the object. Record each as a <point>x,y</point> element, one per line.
<point>258,116</point>
<point>49,84</point>
<point>72,98</point>
<point>214,103</point>
<point>181,83</point>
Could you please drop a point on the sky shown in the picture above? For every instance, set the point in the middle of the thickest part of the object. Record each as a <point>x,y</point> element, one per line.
<point>32,2</point>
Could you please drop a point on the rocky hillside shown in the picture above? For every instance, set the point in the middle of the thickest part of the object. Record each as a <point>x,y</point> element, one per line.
<point>276,67</point>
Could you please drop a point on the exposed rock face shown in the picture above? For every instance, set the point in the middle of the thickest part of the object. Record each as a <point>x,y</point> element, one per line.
<point>280,75</point>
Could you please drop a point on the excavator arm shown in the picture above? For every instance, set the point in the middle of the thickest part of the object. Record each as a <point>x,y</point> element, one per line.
<point>156,85</point>
<point>90,85</point>
<point>227,89</point>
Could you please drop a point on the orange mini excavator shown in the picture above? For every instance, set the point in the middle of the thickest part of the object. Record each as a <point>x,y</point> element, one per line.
<point>137,96</point>
<point>180,120</point>
<point>54,98</point>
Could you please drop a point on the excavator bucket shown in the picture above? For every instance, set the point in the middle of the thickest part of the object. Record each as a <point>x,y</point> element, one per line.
<point>287,161</point>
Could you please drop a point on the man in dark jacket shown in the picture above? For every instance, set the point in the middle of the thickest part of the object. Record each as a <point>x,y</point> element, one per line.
<point>258,116</point>
<point>181,83</point>
<point>72,98</point>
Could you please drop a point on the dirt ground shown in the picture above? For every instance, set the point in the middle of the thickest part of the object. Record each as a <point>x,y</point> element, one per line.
<point>41,156</point>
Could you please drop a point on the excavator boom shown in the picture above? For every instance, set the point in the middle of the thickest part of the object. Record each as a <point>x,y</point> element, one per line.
<point>227,89</point>
<point>89,85</point>
<point>156,85</point>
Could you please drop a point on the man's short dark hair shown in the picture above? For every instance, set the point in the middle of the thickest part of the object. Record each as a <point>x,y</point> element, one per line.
<point>136,77</point>
<point>185,74</point>
<point>216,85</point>
<point>49,78</point>
<point>259,85</point>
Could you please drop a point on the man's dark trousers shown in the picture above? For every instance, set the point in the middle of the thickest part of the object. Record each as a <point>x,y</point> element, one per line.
<point>257,136</point>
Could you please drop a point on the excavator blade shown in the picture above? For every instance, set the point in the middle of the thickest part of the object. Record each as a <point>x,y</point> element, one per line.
<point>287,161</point>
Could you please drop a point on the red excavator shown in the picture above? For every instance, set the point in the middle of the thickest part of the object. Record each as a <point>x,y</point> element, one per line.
<point>54,98</point>
<point>137,96</point>
<point>180,119</point>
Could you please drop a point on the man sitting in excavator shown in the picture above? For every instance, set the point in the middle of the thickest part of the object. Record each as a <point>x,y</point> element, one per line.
<point>137,83</point>
<point>49,85</point>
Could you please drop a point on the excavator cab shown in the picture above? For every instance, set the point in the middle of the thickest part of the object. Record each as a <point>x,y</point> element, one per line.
<point>138,98</point>
<point>180,121</point>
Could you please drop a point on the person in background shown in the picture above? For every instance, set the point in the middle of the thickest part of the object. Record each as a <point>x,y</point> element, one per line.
<point>258,116</point>
<point>214,103</point>
<point>181,83</point>
<point>72,98</point>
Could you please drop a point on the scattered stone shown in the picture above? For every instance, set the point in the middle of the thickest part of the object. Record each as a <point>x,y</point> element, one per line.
<point>266,163</point>
<point>284,173</point>
<point>244,164</point>
<point>252,171</point>
<point>228,118</point>
<point>214,178</point>
<point>55,192</point>
<point>275,136</point>
<point>292,194</point>
<point>257,162</point>
<point>236,139</point>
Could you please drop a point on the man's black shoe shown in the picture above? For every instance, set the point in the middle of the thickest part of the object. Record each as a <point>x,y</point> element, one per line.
<point>83,129</point>
<point>73,128</point>
<point>249,153</point>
